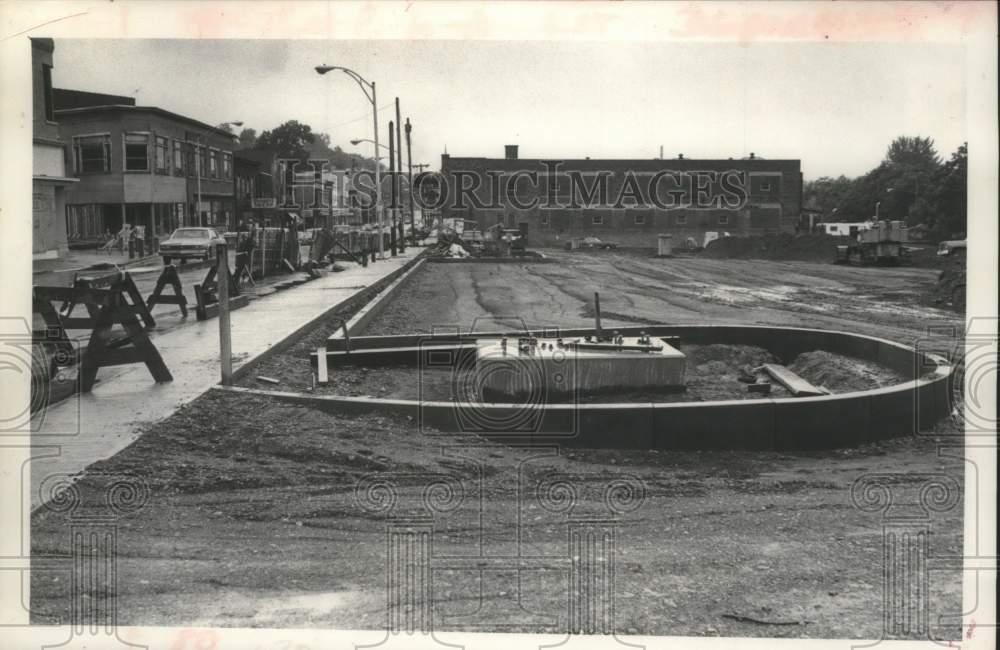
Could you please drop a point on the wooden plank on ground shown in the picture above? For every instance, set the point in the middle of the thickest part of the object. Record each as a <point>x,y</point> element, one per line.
<point>796,385</point>
<point>321,372</point>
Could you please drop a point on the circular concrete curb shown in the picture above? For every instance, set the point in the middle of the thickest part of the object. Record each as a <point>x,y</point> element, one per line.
<point>845,419</point>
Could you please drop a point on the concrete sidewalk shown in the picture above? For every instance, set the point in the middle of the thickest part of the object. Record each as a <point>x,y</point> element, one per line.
<point>85,428</point>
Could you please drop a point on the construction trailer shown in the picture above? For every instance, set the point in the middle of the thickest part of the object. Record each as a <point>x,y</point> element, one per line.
<point>884,243</point>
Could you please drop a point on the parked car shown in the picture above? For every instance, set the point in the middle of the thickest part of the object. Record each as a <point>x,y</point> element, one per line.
<point>949,247</point>
<point>589,242</point>
<point>191,244</point>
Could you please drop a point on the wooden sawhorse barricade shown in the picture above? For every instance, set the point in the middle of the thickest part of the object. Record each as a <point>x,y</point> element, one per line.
<point>117,280</point>
<point>106,306</point>
<point>168,276</point>
<point>207,295</point>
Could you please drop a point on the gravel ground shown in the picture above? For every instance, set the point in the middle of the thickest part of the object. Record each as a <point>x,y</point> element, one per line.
<point>252,520</point>
<point>252,517</point>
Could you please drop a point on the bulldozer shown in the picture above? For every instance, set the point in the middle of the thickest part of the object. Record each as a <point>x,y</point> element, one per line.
<point>884,244</point>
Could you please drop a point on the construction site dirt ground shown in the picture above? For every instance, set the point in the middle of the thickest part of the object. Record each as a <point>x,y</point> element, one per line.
<point>253,517</point>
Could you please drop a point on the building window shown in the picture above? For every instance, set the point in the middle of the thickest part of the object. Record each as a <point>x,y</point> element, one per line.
<point>723,219</point>
<point>47,91</point>
<point>545,218</point>
<point>178,158</point>
<point>92,154</point>
<point>162,155</point>
<point>203,158</point>
<point>639,219</point>
<point>227,166</point>
<point>681,219</point>
<point>765,187</point>
<point>136,152</point>
<point>597,219</point>
<point>213,163</point>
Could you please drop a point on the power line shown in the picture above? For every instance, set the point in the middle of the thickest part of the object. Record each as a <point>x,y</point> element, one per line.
<point>358,119</point>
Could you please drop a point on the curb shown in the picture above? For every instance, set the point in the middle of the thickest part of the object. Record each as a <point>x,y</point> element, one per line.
<point>824,422</point>
<point>299,331</point>
<point>360,320</point>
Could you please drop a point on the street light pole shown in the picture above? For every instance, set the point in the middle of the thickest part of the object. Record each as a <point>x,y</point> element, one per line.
<point>399,172</point>
<point>409,177</point>
<point>392,185</point>
<point>368,88</point>
<point>378,178</point>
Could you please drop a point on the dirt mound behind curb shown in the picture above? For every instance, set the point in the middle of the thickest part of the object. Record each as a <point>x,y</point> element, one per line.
<point>841,374</point>
<point>950,289</point>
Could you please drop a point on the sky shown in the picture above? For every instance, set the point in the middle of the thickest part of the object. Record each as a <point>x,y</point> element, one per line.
<point>836,107</point>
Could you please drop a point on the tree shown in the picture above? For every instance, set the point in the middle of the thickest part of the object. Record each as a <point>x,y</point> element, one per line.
<point>910,183</point>
<point>248,138</point>
<point>912,152</point>
<point>289,140</point>
<point>948,197</point>
<point>910,164</point>
<point>295,140</point>
<point>828,195</point>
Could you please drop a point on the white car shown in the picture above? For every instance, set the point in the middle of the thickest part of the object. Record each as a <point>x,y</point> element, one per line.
<point>191,243</point>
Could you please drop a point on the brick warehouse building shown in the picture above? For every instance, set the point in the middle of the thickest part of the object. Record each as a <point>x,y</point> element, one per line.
<point>138,165</point>
<point>549,197</point>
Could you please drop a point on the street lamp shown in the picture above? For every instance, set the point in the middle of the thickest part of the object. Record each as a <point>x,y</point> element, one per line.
<point>200,139</point>
<point>368,87</point>
<point>360,140</point>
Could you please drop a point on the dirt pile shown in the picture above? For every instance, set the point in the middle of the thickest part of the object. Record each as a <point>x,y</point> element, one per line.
<point>782,246</point>
<point>449,244</point>
<point>950,289</point>
<point>731,355</point>
<point>841,374</point>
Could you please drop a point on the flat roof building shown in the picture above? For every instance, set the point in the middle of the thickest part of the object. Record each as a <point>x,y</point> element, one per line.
<point>48,165</point>
<point>144,166</point>
<point>629,201</point>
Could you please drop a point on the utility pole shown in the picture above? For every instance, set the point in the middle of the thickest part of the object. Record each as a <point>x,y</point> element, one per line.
<point>225,331</point>
<point>392,185</point>
<point>409,176</point>
<point>421,167</point>
<point>399,169</point>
